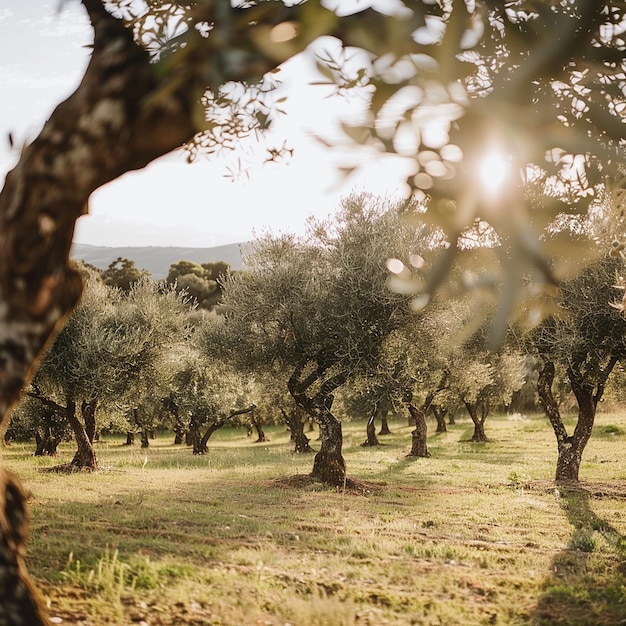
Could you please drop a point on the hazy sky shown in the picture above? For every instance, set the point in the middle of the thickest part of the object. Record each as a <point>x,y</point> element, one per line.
<point>43,54</point>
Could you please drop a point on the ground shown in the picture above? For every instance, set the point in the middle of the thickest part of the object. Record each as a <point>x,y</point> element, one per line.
<point>477,534</point>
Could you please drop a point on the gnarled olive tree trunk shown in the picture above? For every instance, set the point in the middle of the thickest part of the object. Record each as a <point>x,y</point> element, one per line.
<point>417,417</point>
<point>329,466</point>
<point>384,422</point>
<point>588,393</point>
<point>370,430</point>
<point>314,394</point>
<point>440,416</point>
<point>85,457</point>
<point>295,422</point>
<point>478,411</point>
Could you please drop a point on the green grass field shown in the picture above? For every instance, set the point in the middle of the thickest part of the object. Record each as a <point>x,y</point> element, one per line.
<point>477,534</point>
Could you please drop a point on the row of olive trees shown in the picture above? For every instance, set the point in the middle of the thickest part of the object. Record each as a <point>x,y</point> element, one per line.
<point>319,314</point>
<point>311,318</point>
<point>316,314</point>
<point>126,361</point>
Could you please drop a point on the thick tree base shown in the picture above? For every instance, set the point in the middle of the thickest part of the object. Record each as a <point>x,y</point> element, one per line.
<point>370,444</point>
<point>329,470</point>
<point>302,445</point>
<point>309,483</point>
<point>567,470</point>
<point>20,604</point>
<point>479,439</point>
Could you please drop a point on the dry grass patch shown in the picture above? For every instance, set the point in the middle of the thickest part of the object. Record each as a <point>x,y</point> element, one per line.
<point>478,534</point>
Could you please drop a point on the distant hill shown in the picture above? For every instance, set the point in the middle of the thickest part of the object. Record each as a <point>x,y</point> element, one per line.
<point>157,260</point>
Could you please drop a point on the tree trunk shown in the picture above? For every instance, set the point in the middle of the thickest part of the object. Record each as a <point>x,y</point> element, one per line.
<point>51,445</point>
<point>85,457</point>
<point>295,422</point>
<point>329,465</point>
<point>478,420</point>
<point>179,437</point>
<point>420,434</point>
<point>261,436</point>
<point>418,417</point>
<point>145,439</point>
<point>130,438</point>
<point>569,454</point>
<point>451,421</point>
<point>440,416</point>
<point>194,437</point>
<point>570,448</point>
<point>384,424</point>
<point>45,442</point>
<point>200,445</point>
<point>371,440</point>
<point>40,443</point>
<point>88,412</point>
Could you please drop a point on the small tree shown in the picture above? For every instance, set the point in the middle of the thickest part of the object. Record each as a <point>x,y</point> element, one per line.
<point>202,283</point>
<point>123,274</point>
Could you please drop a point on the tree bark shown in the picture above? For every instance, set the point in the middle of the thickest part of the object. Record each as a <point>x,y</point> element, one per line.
<point>295,421</point>
<point>419,436</point>
<point>418,417</point>
<point>570,448</point>
<point>329,465</point>
<point>20,604</point>
<point>372,439</point>
<point>46,442</point>
<point>40,441</point>
<point>145,439</point>
<point>130,438</point>
<point>200,445</point>
<point>85,457</point>
<point>440,416</point>
<point>194,437</point>
<point>478,412</point>
<point>384,424</point>
<point>88,412</point>
<point>256,422</point>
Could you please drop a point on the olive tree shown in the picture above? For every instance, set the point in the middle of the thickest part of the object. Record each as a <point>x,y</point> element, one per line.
<point>320,308</point>
<point>77,375</point>
<point>484,378</point>
<point>584,340</point>
<point>153,320</point>
<point>204,390</point>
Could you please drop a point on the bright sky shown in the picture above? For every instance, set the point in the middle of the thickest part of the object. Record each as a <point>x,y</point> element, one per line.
<point>171,203</point>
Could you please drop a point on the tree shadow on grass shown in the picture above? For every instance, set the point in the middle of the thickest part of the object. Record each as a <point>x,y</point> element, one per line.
<point>587,585</point>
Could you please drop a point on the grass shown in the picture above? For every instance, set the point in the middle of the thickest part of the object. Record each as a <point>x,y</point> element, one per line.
<point>477,534</point>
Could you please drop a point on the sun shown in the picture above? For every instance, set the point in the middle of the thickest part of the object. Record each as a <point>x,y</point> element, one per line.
<point>493,172</point>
